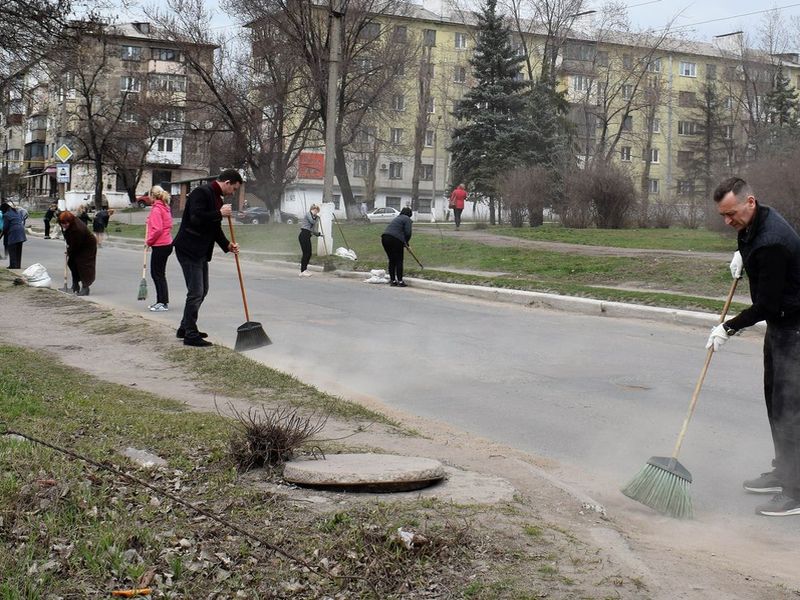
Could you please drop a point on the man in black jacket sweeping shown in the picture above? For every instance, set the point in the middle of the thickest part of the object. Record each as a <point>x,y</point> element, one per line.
<point>769,251</point>
<point>201,227</point>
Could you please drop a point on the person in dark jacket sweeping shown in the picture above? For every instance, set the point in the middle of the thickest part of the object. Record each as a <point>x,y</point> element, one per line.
<point>394,239</point>
<point>81,252</point>
<point>201,227</point>
<point>769,251</point>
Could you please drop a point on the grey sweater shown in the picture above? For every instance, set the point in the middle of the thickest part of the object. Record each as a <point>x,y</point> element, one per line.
<point>309,221</point>
<point>399,227</point>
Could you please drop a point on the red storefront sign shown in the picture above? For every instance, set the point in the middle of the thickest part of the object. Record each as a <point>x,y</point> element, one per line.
<point>311,165</point>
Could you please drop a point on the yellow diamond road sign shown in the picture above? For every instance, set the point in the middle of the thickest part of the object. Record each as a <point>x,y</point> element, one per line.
<point>63,153</point>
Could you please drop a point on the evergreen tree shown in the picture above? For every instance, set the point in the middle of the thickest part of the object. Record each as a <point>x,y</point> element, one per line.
<point>782,101</point>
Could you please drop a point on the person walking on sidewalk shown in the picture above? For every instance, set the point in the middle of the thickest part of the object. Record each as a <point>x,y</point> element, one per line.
<point>394,239</point>
<point>457,199</point>
<point>13,234</point>
<point>81,252</point>
<point>769,252</point>
<point>307,229</point>
<point>48,217</point>
<point>201,227</point>
<point>159,239</point>
<point>100,223</point>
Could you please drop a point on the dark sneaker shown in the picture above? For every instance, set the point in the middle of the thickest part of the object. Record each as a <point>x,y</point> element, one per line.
<point>401,284</point>
<point>180,334</point>
<point>780,506</point>
<point>767,483</point>
<point>393,283</point>
<point>197,342</point>
<point>84,291</point>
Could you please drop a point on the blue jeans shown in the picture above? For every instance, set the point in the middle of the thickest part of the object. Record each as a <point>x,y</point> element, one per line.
<point>195,272</point>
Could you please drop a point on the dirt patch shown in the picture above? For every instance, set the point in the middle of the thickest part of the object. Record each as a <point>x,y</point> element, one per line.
<point>598,553</point>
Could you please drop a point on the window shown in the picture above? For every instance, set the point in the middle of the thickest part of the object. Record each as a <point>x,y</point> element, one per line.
<point>164,145</point>
<point>460,74</point>
<point>398,102</point>
<point>171,115</point>
<point>168,83</point>
<point>685,158</point>
<point>428,37</point>
<point>687,99</point>
<point>585,52</point>
<point>366,135</point>
<point>728,132</point>
<point>627,91</point>
<point>654,156</point>
<point>625,153</point>
<point>337,198</point>
<point>602,58</point>
<point>627,123</point>
<point>711,71</point>
<point>400,34</point>
<point>430,138</point>
<point>370,31</point>
<point>393,202</point>
<point>395,172</point>
<point>396,135</point>
<point>128,83</point>
<point>130,52</point>
<point>424,205</point>
<point>460,40</point>
<point>688,69</point>
<point>654,66</point>
<point>582,83</point>
<point>164,54</point>
<point>627,61</point>
<point>652,186</point>
<point>426,173</point>
<point>431,105</point>
<point>654,125</point>
<point>360,167</point>
<point>685,188</point>
<point>687,128</point>
<point>728,104</point>
<point>363,63</point>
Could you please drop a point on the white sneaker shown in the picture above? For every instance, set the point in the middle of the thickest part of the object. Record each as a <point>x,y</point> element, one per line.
<point>305,274</point>
<point>159,307</point>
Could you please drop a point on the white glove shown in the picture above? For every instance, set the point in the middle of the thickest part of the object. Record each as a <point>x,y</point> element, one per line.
<point>737,265</point>
<point>717,338</point>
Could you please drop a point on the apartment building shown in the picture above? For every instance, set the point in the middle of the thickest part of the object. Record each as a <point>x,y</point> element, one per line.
<point>124,96</point>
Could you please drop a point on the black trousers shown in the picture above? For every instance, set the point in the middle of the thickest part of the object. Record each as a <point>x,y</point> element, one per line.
<point>15,255</point>
<point>394,252</point>
<point>305,245</point>
<point>457,215</point>
<point>782,395</point>
<point>158,271</point>
<point>46,228</point>
<point>195,272</point>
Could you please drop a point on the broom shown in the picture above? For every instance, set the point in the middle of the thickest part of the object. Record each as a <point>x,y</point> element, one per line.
<point>663,483</point>
<point>66,288</point>
<point>410,251</point>
<point>341,231</point>
<point>143,283</point>
<point>250,334</point>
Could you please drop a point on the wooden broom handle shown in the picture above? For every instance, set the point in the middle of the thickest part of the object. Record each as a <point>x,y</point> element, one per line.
<point>696,393</point>
<point>144,254</point>
<point>239,271</point>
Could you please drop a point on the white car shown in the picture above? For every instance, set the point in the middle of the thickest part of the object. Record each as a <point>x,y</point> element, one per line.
<point>382,215</point>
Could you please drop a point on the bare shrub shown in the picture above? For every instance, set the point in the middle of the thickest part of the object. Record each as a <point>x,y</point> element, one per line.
<point>776,182</point>
<point>662,215</point>
<point>269,438</point>
<point>612,194</point>
<point>526,191</point>
<point>575,207</point>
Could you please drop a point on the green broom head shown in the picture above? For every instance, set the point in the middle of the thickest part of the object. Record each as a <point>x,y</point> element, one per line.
<point>663,485</point>
<point>142,290</point>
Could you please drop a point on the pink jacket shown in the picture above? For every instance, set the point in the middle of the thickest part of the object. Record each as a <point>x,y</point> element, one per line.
<point>159,225</point>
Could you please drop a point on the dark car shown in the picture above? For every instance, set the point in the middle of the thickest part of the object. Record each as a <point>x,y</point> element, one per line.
<point>289,218</point>
<point>255,215</point>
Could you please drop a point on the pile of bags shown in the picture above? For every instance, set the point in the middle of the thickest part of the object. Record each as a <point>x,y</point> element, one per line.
<point>377,276</point>
<point>36,276</point>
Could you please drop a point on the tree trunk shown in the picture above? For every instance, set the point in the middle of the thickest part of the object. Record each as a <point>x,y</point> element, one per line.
<point>340,169</point>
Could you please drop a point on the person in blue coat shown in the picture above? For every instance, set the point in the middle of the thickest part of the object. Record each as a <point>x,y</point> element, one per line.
<point>14,234</point>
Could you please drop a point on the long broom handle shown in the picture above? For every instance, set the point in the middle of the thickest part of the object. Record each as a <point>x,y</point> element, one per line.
<point>144,256</point>
<point>696,394</point>
<point>344,239</point>
<point>239,271</point>
<point>414,255</point>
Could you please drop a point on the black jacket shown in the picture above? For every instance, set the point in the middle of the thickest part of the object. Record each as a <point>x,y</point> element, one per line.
<point>201,225</point>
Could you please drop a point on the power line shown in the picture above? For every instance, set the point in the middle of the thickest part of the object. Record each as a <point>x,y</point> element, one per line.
<point>747,14</point>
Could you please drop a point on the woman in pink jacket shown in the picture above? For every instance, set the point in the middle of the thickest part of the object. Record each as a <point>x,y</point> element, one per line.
<point>159,238</point>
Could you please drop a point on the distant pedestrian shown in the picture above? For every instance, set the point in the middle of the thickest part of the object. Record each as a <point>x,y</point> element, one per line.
<point>81,252</point>
<point>2,235</point>
<point>363,210</point>
<point>201,227</point>
<point>395,238</point>
<point>13,234</point>
<point>99,225</point>
<point>457,199</point>
<point>159,238</point>
<point>83,215</point>
<point>48,217</point>
<point>307,229</point>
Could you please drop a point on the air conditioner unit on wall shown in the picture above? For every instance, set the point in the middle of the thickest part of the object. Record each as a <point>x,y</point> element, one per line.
<point>384,167</point>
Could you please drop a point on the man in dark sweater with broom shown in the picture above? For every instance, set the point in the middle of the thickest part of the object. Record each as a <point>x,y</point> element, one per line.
<point>769,252</point>
<point>201,227</point>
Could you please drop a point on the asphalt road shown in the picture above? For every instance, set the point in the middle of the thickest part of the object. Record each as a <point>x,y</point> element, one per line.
<point>598,395</point>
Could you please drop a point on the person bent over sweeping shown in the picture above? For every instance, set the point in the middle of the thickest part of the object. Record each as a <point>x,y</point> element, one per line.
<point>306,231</point>
<point>394,239</point>
<point>81,252</point>
<point>769,251</point>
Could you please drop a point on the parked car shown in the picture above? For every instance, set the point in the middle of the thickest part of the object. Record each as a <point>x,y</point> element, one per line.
<point>289,218</point>
<point>143,200</point>
<point>255,215</point>
<point>382,215</point>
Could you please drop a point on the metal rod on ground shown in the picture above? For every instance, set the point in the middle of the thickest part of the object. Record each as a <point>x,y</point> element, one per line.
<point>414,255</point>
<point>663,483</point>
<point>250,334</point>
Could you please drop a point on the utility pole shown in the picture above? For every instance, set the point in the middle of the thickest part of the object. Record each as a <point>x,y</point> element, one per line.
<point>331,109</point>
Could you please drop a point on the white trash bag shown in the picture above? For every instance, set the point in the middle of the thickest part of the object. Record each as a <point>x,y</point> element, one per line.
<point>346,253</point>
<point>377,276</point>
<point>36,276</point>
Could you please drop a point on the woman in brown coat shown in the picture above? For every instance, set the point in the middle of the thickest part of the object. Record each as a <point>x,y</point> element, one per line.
<point>81,252</point>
